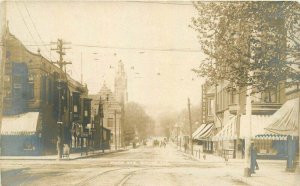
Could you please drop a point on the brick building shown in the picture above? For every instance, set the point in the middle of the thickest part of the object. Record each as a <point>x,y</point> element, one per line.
<point>31,105</point>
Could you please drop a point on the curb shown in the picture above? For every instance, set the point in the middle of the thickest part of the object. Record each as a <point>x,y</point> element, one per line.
<point>98,154</point>
<point>63,159</point>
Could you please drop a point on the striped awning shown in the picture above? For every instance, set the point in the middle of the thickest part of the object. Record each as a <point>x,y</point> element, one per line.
<point>228,132</point>
<point>203,132</point>
<point>285,120</point>
<point>271,137</point>
<point>198,130</point>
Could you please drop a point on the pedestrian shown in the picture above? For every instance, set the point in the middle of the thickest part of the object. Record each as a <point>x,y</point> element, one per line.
<point>254,164</point>
<point>185,147</point>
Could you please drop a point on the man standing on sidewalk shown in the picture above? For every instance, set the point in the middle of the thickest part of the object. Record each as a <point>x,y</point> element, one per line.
<point>253,164</point>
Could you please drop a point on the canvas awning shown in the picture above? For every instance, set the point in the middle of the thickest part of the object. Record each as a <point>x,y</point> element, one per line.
<point>258,125</point>
<point>285,120</point>
<point>198,130</point>
<point>23,124</point>
<point>228,132</point>
<point>271,137</point>
<point>203,132</point>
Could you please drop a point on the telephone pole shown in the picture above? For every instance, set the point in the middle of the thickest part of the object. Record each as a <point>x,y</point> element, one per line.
<point>191,128</point>
<point>60,49</point>
<point>116,130</point>
<point>3,30</point>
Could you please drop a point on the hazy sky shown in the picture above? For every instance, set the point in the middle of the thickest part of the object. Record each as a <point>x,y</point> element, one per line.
<point>145,36</point>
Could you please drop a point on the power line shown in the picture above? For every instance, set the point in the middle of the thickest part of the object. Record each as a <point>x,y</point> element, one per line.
<point>25,23</point>
<point>178,3</point>
<point>35,28</point>
<point>126,48</point>
<point>141,49</point>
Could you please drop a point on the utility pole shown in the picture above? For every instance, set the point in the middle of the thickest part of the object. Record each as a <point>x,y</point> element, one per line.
<point>190,121</point>
<point>120,124</point>
<point>101,115</point>
<point>116,130</point>
<point>247,171</point>
<point>81,76</point>
<point>3,30</point>
<point>60,49</point>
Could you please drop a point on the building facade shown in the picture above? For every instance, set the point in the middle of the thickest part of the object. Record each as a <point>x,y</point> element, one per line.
<point>33,91</point>
<point>111,114</point>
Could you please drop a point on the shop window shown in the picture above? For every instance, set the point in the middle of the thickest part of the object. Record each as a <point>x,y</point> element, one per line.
<point>28,145</point>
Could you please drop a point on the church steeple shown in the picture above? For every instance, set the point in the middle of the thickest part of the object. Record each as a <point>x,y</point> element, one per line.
<point>121,84</point>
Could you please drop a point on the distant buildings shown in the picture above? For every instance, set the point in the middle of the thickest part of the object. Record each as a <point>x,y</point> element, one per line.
<point>113,104</point>
<point>31,106</point>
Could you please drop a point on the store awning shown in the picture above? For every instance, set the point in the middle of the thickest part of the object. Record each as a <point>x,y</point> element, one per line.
<point>285,120</point>
<point>258,125</point>
<point>203,132</point>
<point>271,137</point>
<point>198,130</point>
<point>23,124</point>
<point>228,132</point>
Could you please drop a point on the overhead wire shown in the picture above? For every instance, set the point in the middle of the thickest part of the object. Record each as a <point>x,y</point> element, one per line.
<point>25,23</point>
<point>34,26</point>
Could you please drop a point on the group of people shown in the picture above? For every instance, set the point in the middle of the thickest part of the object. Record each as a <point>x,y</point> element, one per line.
<point>161,143</point>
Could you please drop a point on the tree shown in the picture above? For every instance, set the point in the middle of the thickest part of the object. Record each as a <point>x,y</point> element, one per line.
<point>249,44</point>
<point>136,121</point>
<point>243,37</point>
<point>167,120</point>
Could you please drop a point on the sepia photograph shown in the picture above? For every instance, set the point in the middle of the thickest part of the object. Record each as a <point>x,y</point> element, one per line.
<point>149,93</point>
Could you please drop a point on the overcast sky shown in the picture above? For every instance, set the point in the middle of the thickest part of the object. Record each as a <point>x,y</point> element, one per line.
<point>147,37</point>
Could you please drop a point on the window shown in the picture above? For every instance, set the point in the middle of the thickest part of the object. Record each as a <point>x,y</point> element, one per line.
<point>110,122</point>
<point>50,91</point>
<point>210,109</point>
<point>30,91</point>
<point>234,97</point>
<point>104,135</point>
<point>29,145</point>
<point>75,108</point>
<point>270,96</point>
<point>17,79</point>
<point>43,88</point>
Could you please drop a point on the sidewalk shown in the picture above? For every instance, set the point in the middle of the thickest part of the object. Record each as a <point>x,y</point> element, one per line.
<point>72,156</point>
<point>271,172</point>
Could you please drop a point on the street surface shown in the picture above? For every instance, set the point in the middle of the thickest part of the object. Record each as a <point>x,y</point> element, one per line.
<point>142,166</point>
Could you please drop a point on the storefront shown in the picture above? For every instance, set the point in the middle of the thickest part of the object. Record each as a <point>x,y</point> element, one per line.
<point>202,137</point>
<point>21,135</point>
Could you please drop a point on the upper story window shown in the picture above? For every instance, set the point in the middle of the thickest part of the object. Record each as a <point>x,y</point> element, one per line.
<point>210,107</point>
<point>30,90</point>
<point>110,122</point>
<point>270,96</point>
